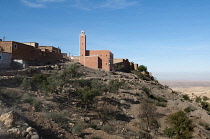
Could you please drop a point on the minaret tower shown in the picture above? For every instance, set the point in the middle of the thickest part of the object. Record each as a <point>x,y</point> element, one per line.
<point>82,47</point>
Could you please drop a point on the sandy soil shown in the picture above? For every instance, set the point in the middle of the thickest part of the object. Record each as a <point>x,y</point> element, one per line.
<point>192,88</point>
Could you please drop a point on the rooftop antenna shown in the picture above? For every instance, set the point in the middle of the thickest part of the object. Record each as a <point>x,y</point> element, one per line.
<point>4,38</point>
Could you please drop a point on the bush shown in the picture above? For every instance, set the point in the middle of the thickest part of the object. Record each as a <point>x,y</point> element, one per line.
<point>188,109</point>
<point>142,68</point>
<point>78,127</point>
<point>26,84</point>
<point>181,126</point>
<point>114,86</point>
<point>57,117</point>
<point>198,99</point>
<point>205,106</point>
<point>40,81</point>
<point>186,97</point>
<point>70,72</point>
<point>205,98</point>
<point>161,104</point>
<point>87,95</point>
<point>33,101</point>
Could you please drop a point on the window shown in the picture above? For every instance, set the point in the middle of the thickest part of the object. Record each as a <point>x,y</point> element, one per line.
<point>15,46</point>
<point>0,57</point>
<point>106,55</point>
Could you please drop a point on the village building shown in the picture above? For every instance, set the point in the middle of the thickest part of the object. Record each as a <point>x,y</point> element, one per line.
<point>97,59</point>
<point>124,65</point>
<point>30,53</point>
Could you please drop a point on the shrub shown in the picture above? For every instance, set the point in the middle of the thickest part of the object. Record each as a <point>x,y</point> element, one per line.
<point>33,101</point>
<point>78,127</point>
<point>142,68</point>
<point>40,81</point>
<point>186,97</point>
<point>205,106</point>
<point>70,71</point>
<point>87,95</point>
<point>181,126</point>
<point>205,98</point>
<point>198,99</point>
<point>114,86</point>
<point>26,84</point>
<point>57,117</point>
<point>188,109</point>
<point>162,104</point>
<point>146,91</point>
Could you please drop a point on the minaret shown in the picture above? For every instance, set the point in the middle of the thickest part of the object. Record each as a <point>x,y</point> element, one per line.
<point>82,47</point>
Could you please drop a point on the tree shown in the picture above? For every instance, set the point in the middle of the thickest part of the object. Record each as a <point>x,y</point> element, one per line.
<point>142,68</point>
<point>87,95</point>
<point>148,119</point>
<point>181,126</point>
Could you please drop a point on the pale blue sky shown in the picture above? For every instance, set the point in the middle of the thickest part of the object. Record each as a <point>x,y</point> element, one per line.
<point>170,37</point>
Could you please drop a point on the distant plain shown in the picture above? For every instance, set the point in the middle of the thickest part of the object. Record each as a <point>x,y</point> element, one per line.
<point>192,88</point>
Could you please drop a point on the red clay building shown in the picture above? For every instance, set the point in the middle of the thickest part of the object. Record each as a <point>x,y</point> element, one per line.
<point>31,52</point>
<point>102,59</point>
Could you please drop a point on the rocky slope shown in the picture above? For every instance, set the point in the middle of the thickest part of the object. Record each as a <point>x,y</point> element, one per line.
<point>79,102</point>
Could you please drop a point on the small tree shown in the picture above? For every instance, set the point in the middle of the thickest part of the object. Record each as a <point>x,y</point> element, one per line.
<point>87,95</point>
<point>148,119</point>
<point>181,126</point>
<point>142,68</point>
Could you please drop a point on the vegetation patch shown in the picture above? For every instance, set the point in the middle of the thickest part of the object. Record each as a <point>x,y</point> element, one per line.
<point>181,126</point>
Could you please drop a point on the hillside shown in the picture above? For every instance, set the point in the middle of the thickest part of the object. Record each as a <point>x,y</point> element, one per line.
<point>72,101</point>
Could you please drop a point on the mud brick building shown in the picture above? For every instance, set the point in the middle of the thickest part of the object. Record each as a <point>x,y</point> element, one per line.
<point>102,59</point>
<point>31,52</point>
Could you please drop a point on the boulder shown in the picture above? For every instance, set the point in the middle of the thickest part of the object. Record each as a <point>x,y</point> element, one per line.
<point>8,118</point>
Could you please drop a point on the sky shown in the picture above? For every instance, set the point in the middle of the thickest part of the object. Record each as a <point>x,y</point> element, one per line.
<point>170,37</point>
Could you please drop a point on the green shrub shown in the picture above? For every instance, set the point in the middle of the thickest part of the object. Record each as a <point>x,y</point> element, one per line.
<point>114,86</point>
<point>170,132</point>
<point>87,95</point>
<point>40,81</point>
<point>142,68</point>
<point>70,71</point>
<point>162,104</point>
<point>188,109</point>
<point>198,99</point>
<point>26,84</point>
<point>57,117</point>
<point>181,126</point>
<point>33,101</point>
<point>205,106</point>
<point>186,97</point>
<point>205,98</point>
